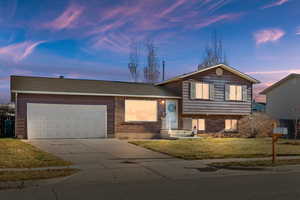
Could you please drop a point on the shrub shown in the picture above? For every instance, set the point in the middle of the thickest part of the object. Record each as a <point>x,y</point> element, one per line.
<point>256,125</point>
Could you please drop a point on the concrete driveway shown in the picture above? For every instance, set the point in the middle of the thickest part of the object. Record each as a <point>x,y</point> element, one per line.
<point>88,153</point>
<point>116,161</point>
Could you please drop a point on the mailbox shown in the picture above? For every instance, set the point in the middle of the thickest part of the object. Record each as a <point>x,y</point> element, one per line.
<point>280,131</point>
<point>277,133</point>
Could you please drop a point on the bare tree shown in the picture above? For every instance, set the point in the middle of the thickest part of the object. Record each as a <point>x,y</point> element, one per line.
<point>213,53</point>
<point>151,71</point>
<point>133,64</point>
<point>295,111</point>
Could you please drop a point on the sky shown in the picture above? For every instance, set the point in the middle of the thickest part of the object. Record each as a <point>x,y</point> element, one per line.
<point>90,39</point>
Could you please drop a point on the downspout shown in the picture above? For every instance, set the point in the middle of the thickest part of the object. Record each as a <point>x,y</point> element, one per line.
<point>16,111</point>
<point>163,71</point>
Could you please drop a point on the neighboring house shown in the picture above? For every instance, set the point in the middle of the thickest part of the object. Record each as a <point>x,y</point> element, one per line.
<point>212,99</point>
<point>283,101</point>
<point>258,107</point>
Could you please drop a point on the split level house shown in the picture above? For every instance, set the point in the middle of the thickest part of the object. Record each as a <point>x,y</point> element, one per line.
<point>283,102</point>
<point>211,99</point>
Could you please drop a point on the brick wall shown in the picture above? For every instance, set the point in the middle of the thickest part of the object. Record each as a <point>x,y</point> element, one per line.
<point>214,123</point>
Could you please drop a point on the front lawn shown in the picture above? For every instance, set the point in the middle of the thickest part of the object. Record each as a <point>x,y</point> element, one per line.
<point>17,154</point>
<point>213,148</point>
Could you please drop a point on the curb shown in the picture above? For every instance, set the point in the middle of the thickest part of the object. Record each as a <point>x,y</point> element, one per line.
<point>19,185</point>
<point>39,168</point>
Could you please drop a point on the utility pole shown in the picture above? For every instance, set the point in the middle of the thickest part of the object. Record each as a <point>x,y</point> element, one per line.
<point>164,70</point>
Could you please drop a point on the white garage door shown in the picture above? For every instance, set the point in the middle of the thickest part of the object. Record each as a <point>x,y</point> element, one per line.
<point>66,121</point>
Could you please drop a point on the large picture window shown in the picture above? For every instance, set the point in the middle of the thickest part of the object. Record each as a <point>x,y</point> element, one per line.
<point>235,93</point>
<point>140,110</point>
<point>202,91</point>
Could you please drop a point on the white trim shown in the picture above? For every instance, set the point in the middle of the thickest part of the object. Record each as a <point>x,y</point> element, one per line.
<point>245,76</point>
<point>177,115</point>
<point>92,94</point>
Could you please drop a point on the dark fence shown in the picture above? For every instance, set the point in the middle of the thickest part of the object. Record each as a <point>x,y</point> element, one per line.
<point>290,125</point>
<point>7,126</point>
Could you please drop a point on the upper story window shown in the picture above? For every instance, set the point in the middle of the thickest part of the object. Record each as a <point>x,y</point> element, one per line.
<point>140,110</point>
<point>235,93</point>
<point>201,90</point>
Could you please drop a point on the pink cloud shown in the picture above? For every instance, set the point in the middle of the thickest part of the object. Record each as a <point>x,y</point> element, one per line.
<point>259,88</point>
<point>268,35</point>
<point>173,7</point>
<point>116,42</point>
<point>142,18</point>
<point>213,20</point>
<point>217,4</point>
<point>268,78</point>
<point>298,31</point>
<point>274,4</point>
<point>288,71</point>
<point>20,51</point>
<point>67,19</point>
<point>108,27</point>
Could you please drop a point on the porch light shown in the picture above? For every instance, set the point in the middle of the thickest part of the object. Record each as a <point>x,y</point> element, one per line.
<point>162,101</point>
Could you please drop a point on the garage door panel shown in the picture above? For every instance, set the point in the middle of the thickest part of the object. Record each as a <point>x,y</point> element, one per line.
<point>66,121</point>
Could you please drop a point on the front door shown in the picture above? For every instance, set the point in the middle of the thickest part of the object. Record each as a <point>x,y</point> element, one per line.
<point>172,114</point>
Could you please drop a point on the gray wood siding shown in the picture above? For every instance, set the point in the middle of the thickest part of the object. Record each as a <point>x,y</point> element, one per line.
<point>283,100</point>
<point>219,105</point>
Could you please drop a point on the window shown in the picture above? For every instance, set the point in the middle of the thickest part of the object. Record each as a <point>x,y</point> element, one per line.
<point>231,125</point>
<point>140,110</point>
<point>202,91</point>
<point>199,124</point>
<point>235,93</point>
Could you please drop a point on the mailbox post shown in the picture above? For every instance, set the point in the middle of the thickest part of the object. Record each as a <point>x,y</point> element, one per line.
<point>277,133</point>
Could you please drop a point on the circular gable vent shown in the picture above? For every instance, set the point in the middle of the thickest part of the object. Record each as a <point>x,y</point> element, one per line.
<point>219,71</point>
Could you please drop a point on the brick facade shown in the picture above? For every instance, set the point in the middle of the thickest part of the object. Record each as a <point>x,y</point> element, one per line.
<point>214,123</point>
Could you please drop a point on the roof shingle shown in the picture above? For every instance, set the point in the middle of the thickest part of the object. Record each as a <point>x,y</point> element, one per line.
<point>65,85</point>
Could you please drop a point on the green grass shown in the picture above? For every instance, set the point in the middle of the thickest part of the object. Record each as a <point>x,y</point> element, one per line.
<point>35,175</point>
<point>256,163</point>
<point>17,154</point>
<point>213,148</point>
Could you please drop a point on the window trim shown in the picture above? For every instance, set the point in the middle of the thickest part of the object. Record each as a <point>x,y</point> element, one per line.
<point>202,82</point>
<point>197,126</point>
<point>231,125</point>
<point>141,121</point>
<point>236,94</point>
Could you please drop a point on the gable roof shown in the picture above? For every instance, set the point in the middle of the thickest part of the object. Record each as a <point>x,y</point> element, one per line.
<point>268,89</point>
<point>45,85</point>
<point>231,69</point>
